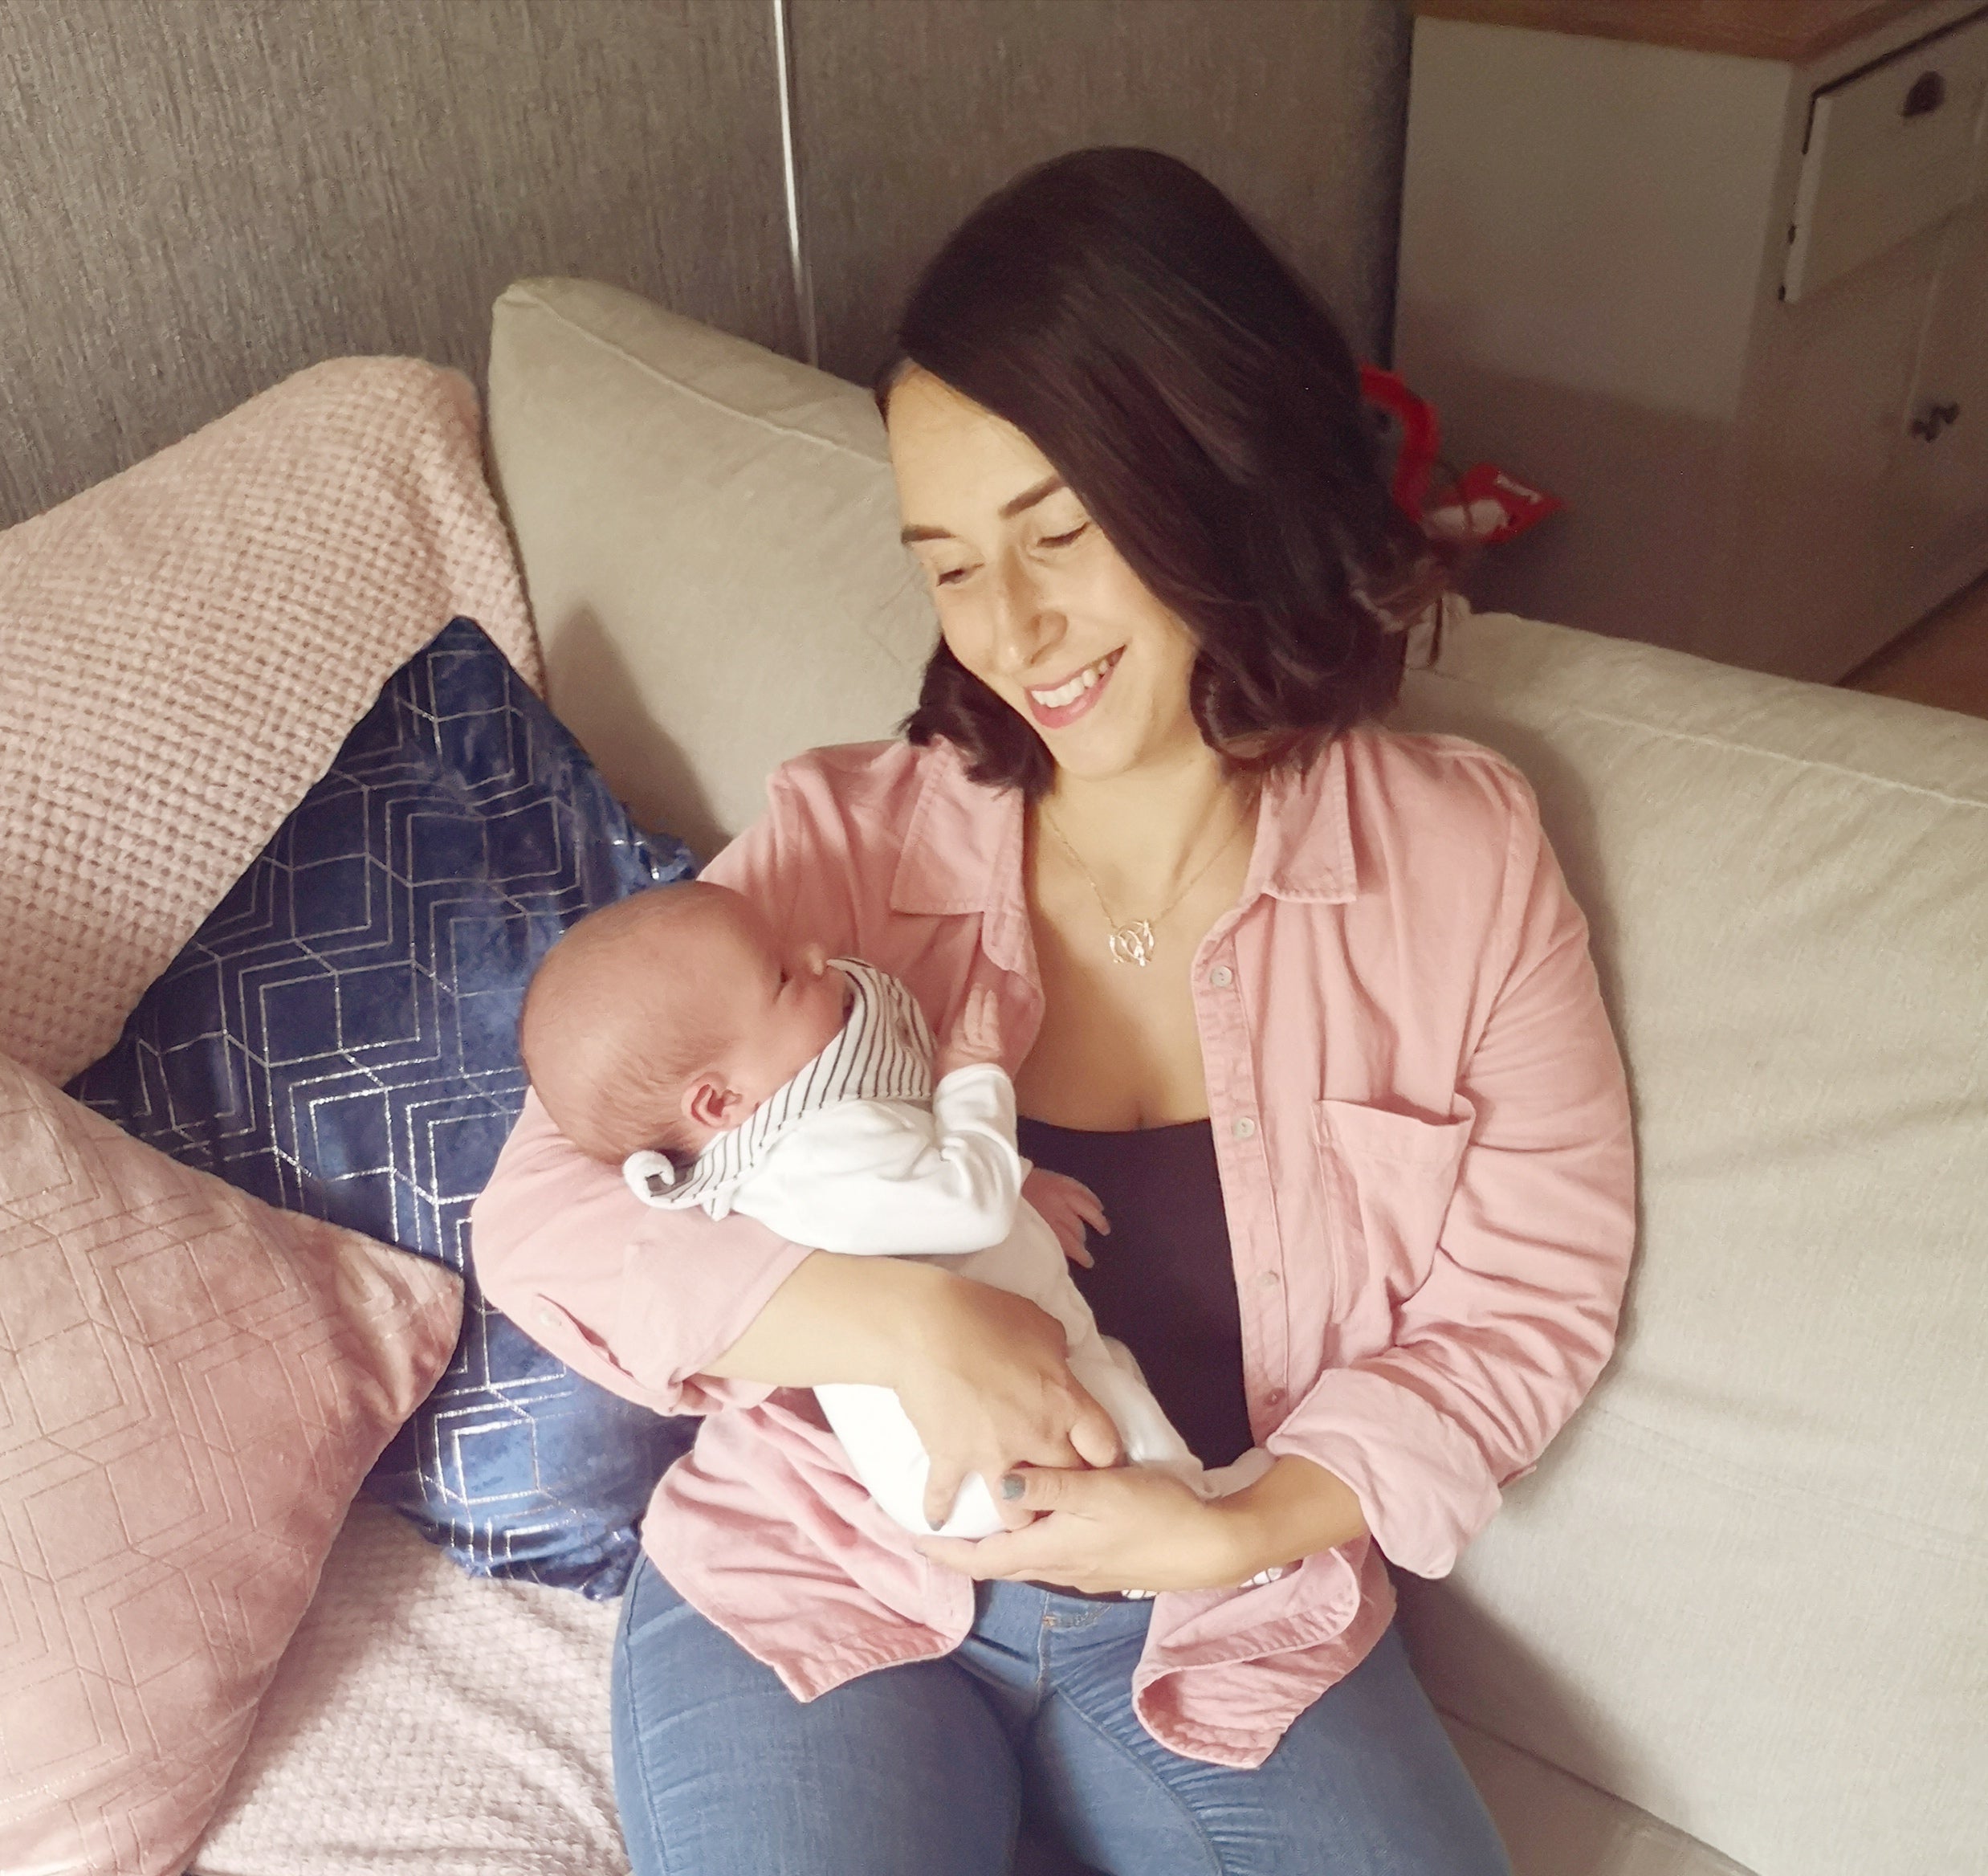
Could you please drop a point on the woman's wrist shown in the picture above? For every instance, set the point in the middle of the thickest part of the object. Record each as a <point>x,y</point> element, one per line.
<point>1296,1509</point>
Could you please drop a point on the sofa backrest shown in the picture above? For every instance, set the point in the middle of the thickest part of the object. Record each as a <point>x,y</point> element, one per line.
<point>708,534</point>
<point>1747,1589</point>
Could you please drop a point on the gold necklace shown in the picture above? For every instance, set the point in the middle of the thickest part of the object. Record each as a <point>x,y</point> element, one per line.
<point>1133,942</point>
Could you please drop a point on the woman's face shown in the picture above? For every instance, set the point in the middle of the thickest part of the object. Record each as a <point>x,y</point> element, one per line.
<point>1032,599</point>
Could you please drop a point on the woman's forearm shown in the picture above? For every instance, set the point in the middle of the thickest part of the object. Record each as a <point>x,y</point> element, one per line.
<point>983,1375</point>
<point>1295,1508</point>
<point>837,1318</point>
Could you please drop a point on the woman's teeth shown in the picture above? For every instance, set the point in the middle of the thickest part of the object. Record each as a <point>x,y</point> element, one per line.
<point>1069,693</point>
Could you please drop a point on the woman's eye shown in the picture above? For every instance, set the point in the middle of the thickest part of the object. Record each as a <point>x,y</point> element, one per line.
<point>1063,539</point>
<point>950,576</point>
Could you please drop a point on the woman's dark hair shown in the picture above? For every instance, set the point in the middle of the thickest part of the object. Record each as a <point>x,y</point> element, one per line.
<point>1115,306</point>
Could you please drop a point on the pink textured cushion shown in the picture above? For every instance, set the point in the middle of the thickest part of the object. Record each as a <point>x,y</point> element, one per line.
<point>182,649</point>
<point>191,1386</point>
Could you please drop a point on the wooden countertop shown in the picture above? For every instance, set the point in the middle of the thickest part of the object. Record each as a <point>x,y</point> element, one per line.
<point>1794,30</point>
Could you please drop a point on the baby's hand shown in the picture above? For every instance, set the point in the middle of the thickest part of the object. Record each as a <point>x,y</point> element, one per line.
<point>1067,1206</point>
<point>976,1038</point>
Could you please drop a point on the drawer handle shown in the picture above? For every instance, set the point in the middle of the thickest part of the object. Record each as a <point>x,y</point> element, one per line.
<point>1927,93</point>
<point>1937,417</point>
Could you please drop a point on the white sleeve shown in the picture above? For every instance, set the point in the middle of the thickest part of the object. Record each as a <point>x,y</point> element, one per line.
<point>882,1178</point>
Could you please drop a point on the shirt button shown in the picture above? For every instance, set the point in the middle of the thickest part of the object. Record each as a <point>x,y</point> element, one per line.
<point>1274,1398</point>
<point>1245,1129</point>
<point>1221,976</point>
<point>548,1316</point>
<point>1269,1280</point>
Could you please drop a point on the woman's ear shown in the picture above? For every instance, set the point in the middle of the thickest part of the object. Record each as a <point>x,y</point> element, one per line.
<point>708,1103</point>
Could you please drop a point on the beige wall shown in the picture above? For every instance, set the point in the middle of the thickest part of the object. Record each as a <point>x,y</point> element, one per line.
<point>199,197</point>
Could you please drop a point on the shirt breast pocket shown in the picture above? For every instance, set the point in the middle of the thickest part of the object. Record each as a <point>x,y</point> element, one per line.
<point>1389,1177</point>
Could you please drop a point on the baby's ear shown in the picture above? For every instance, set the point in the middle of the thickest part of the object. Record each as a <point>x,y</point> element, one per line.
<point>708,1103</point>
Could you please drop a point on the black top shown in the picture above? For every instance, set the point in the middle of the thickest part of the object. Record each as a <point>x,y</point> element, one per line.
<point>1164,1283</point>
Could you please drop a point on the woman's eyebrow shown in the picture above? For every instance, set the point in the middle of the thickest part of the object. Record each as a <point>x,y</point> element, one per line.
<point>1027,498</point>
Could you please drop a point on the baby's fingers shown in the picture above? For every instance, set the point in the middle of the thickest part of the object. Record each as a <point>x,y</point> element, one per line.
<point>980,1023</point>
<point>1089,1208</point>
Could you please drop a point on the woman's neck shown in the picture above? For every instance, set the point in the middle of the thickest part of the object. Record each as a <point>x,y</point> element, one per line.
<point>1144,833</point>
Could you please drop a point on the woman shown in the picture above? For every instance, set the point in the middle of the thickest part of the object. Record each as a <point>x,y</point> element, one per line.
<point>1306,1003</point>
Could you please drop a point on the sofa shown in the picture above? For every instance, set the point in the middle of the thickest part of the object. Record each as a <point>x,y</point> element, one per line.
<point>1736,1618</point>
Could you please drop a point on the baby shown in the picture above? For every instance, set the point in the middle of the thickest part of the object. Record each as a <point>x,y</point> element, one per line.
<point>676,1035</point>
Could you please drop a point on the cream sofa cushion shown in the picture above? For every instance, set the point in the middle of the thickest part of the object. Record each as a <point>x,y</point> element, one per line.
<point>1745,1590</point>
<point>708,536</point>
<point>1748,1588</point>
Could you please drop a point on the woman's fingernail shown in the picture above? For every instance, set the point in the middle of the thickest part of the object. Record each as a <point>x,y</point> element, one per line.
<point>1012,1487</point>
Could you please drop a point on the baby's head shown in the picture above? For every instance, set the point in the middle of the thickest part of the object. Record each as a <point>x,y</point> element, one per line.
<point>668,1016</point>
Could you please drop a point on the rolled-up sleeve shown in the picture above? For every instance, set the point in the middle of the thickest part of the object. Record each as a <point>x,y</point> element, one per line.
<point>637,1298</point>
<point>1493,1351</point>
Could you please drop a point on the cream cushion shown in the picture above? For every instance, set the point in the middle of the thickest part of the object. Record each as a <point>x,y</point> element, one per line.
<point>708,536</point>
<point>1747,1590</point>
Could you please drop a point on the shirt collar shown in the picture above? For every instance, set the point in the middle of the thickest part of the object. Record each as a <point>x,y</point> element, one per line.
<point>1304,849</point>
<point>961,850</point>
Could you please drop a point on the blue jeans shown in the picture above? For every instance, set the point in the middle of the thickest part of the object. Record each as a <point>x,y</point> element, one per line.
<point>927,1769</point>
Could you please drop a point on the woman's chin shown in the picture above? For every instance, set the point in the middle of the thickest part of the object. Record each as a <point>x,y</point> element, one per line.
<point>1091,758</point>
<point>1107,751</point>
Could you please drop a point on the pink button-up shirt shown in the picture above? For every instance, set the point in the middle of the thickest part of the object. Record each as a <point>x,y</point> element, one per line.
<point>1422,1133</point>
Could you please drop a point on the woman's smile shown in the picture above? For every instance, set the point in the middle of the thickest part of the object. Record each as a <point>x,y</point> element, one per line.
<point>1057,706</point>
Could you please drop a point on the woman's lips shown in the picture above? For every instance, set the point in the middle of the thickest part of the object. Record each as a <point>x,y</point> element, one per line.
<point>1059,715</point>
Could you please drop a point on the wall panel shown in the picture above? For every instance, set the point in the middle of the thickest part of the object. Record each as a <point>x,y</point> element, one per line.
<point>909,112</point>
<point>199,197</point>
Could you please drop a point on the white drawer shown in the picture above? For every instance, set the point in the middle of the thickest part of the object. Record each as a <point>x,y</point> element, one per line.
<point>1892,149</point>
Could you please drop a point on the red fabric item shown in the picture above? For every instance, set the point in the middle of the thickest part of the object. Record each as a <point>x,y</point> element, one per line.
<point>1485,504</point>
<point>1415,455</point>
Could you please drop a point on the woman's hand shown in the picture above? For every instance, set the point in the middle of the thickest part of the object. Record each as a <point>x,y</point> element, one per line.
<point>1141,1528</point>
<point>1135,1527</point>
<point>1067,1205</point>
<point>988,1386</point>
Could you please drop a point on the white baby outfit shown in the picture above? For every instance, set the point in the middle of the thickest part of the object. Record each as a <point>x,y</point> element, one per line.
<point>859,1154</point>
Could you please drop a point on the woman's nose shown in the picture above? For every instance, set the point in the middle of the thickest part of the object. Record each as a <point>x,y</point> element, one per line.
<point>1025,623</point>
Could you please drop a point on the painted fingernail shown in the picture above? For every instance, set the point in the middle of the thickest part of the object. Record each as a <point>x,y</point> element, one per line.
<point>1011,1487</point>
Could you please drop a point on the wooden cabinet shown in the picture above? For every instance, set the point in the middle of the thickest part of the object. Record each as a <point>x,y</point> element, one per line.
<point>1727,295</point>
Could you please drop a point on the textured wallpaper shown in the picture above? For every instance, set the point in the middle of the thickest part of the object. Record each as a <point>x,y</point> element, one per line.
<point>910,111</point>
<point>200,196</point>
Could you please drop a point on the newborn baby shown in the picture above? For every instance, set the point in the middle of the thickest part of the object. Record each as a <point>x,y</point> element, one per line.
<point>676,1034</point>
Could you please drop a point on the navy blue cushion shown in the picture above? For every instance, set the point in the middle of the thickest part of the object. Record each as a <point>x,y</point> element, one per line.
<point>340,1037</point>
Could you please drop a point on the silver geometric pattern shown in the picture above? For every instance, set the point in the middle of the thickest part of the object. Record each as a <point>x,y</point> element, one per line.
<point>340,1039</point>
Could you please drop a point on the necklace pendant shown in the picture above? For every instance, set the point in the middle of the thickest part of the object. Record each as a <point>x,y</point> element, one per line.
<point>1132,944</point>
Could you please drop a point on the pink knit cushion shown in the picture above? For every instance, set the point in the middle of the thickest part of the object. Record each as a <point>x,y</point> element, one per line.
<point>191,1386</point>
<point>183,647</point>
